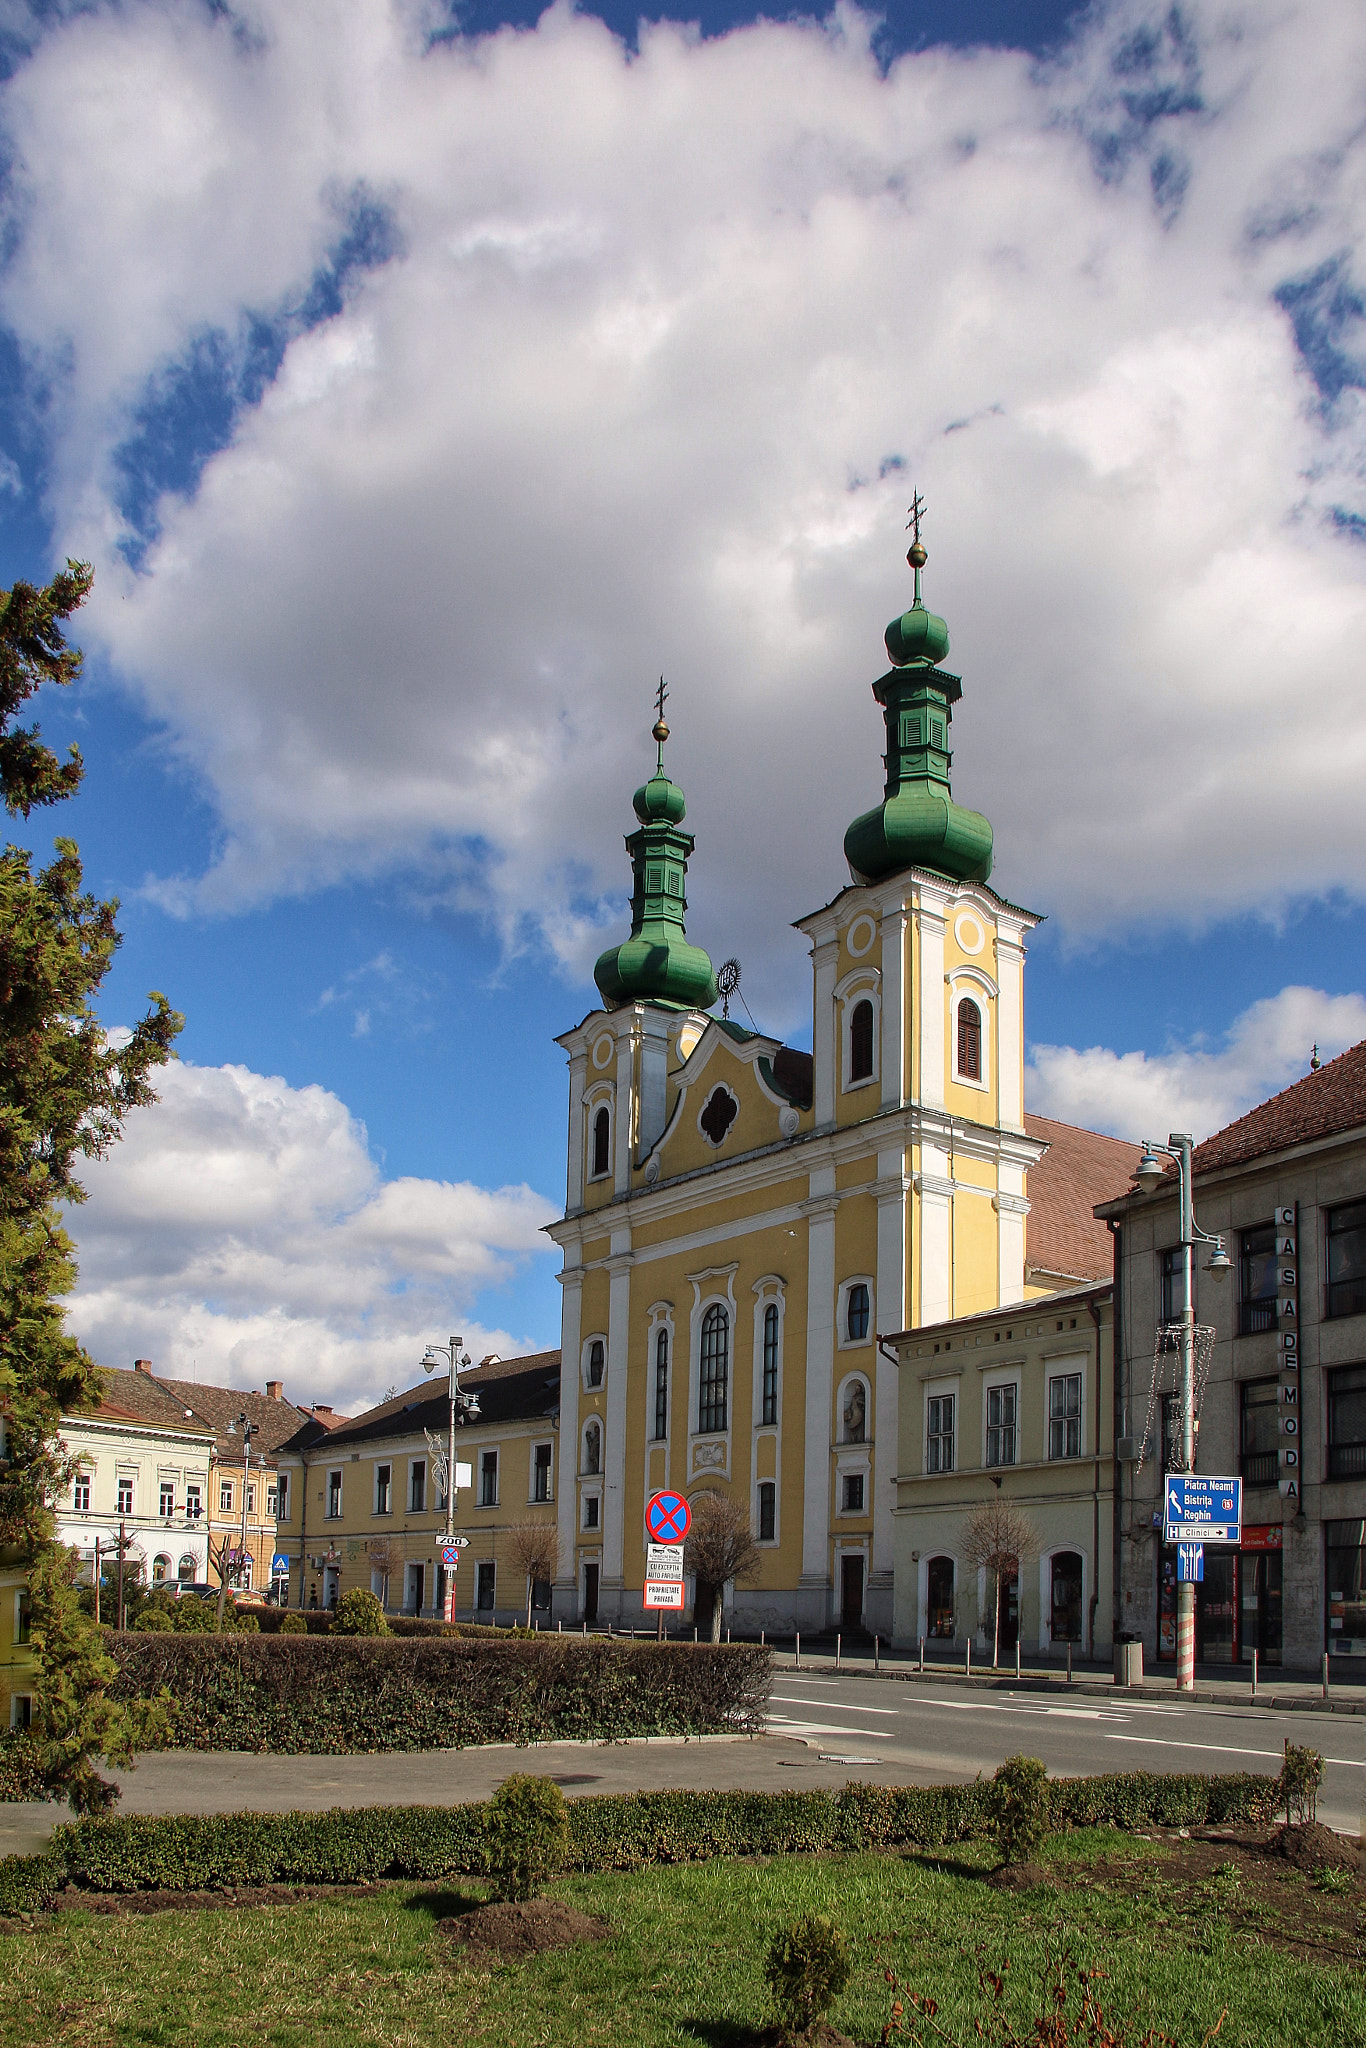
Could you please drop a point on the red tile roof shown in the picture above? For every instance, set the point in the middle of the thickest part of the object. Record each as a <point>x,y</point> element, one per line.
<point>1319,1106</point>
<point>1079,1169</point>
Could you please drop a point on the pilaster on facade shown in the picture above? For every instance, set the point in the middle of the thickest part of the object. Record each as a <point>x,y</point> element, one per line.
<point>565,1590</point>
<point>896,1009</point>
<point>930,925</point>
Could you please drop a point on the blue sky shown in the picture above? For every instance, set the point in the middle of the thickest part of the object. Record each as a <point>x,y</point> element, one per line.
<point>420,399</point>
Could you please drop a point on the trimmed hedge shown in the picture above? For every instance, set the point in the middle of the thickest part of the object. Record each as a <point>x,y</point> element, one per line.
<point>20,1775</point>
<point>27,1883</point>
<point>612,1831</point>
<point>341,1695</point>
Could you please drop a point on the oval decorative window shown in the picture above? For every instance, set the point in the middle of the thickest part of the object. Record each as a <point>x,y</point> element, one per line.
<point>719,1114</point>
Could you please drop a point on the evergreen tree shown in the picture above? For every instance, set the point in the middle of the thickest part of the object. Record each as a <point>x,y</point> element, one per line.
<point>65,1090</point>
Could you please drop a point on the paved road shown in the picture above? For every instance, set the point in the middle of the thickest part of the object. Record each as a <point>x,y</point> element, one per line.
<point>932,1733</point>
<point>825,1729</point>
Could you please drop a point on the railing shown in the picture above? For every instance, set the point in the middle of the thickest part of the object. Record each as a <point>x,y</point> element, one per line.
<point>1346,1461</point>
<point>1347,1297</point>
<point>1255,1316</point>
<point>1260,1468</point>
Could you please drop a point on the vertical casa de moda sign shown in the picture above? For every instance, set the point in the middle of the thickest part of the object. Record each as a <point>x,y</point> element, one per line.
<point>1288,1351</point>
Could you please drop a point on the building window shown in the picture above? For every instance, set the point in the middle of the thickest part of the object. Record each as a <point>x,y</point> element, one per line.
<point>1345,1545</point>
<point>855,1418</point>
<point>853,1493</point>
<point>540,1473</point>
<point>167,1497</point>
<point>251,1500</point>
<point>856,1313</point>
<point>939,1598</point>
<point>1064,1416</point>
<point>417,1480</point>
<point>384,1477</point>
<point>1173,1449</point>
<point>282,1497</point>
<point>597,1358</point>
<point>334,1496</point>
<point>969,1040</point>
<point>861,1041</point>
<point>590,1511</point>
<point>80,1498</point>
<point>1259,1432</point>
<point>23,1618</point>
<point>161,1569</point>
<point>711,1407</point>
<point>602,1143</point>
<point>939,1433</point>
<point>768,1510</point>
<point>194,1503</point>
<point>769,1399</point>
<point>225,1496</point>
<point>1257,1279</point>
<point>272,1504</point>
<point>1347,1260</point>
<point>485,1583</point>
<point>718,1116</point>
<point>1347,1423</point>
<point>592,1447</point>
<point>1002,1407</point>
<point>415,1589</point>
<point>1065,1621</point>
<point>185,1571</point>
<point>125,1497</point>
<point>488,1480</point>
<point>1172,1274</point>
<point>661,1384</point>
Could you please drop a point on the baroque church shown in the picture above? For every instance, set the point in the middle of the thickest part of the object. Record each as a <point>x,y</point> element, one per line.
<point>744,1221</point>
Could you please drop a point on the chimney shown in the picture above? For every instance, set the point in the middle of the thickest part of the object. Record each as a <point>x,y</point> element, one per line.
<point>275,1390</point>
<point>143,1365</point>
<point>321,1408</point>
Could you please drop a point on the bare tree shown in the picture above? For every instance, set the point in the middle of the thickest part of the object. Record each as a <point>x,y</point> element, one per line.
<point>998,1538</point>
<point>535,1549</point>
<point>720,1546</point>
<point>386,1556</point>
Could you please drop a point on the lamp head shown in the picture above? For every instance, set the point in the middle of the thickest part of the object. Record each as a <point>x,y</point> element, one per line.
<point>1149,1171</point>
<point>429,1360</point>
<point>1219,1261</point>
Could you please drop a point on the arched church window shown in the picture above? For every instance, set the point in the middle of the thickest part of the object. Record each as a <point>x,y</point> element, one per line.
<point>861,1041</point>
<point>856,1313</point>
<point>592,1448</point>
<point>769,1411</point>
<point>715,1373</point>
<point>661,1383</point>
<point>719,1114</point>
<point>602,1142</point>
<point>969,1040</point>
<point>595,1362</point>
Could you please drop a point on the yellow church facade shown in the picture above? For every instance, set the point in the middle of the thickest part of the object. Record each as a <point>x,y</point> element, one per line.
<point>743,1220</point>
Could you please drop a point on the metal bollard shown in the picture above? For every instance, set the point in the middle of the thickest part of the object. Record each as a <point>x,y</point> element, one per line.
<point>967,1664</point>
<point>1254,1671</point>
<point>727,1635</point>
<point>1017,1656</point>
<point>761,1639</point>
<point>694,1633</point>
<point>1069,1663</point>
<point>922,1653</point>
<point>1325,1674</point>
<point>559,1628</point>
<point>877,1653</point>
<point>837,1651</point>
<point>797,1660</point>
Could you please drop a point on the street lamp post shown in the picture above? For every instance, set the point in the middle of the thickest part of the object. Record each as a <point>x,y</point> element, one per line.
<point>1149,1174</point>
<point>464,1408</point>
<point>248,1430</point>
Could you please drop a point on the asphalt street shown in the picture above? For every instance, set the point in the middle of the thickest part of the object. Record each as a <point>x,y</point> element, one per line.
<point>935,1733</point>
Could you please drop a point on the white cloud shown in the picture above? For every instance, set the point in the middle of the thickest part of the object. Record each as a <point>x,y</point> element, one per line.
<point>1196,1088</point>
<point>625,400</point>
<point>241,1231</point>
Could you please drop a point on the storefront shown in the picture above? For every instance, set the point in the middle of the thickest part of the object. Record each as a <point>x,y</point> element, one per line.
<point>1237,1604</point>
<point>1344,1546</point>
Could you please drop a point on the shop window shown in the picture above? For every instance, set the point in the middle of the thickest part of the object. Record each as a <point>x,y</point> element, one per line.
<point>715,1370</point>
<point>969,1040</point>
<point>1347,1423</point>
<point>1066,1574</point>
<point>1259,1432</point>
<point>768,1510</point>
<point>1347,1260</point>
<point>856,1313</point>
<point>1064,1415</point>
<point>661,1384</point>
<point>769,1399</point>
<point>1002,1424</point>
<point>161,1570</point>
<point>602,1143</point>
<point>939,1598</point>
<point>1256,1279</point>
<point>861,1041</point>
<point>939,1433</point>
<point>185,1571</point>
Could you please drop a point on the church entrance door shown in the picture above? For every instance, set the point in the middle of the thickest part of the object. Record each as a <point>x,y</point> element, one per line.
<point>851,1592</point>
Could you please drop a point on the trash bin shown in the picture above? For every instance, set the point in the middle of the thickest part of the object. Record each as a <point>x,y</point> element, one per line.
<point>1128,1662</point>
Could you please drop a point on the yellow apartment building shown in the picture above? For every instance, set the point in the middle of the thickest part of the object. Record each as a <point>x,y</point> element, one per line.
<point>362,1504</point>
<point>743,1219</point>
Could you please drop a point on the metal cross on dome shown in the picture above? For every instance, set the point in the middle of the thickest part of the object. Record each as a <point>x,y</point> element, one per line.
<point>914,510</point>
<point>661,695</point>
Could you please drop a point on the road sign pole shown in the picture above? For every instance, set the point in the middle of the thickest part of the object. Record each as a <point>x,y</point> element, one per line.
<point>1185,1590</point>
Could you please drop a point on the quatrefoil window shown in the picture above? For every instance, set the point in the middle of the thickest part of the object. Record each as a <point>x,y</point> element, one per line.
<point>719,1114</point>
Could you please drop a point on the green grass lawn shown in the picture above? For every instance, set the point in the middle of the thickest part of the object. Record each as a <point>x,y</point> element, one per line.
<point>685,1964</point>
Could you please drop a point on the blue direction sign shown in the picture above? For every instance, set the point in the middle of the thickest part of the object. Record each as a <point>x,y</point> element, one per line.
<point>1190,1562</point>
<point>668,1518</point>
<point>1200,1510</point>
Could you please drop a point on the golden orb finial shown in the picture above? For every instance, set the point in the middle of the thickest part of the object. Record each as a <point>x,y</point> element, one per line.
<point>659,731</point>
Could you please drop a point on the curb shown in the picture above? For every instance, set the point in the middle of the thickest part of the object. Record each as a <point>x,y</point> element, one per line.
<point>1080,1688</point>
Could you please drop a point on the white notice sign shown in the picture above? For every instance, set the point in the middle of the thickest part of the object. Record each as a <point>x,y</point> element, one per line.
<point>663,1575</point>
